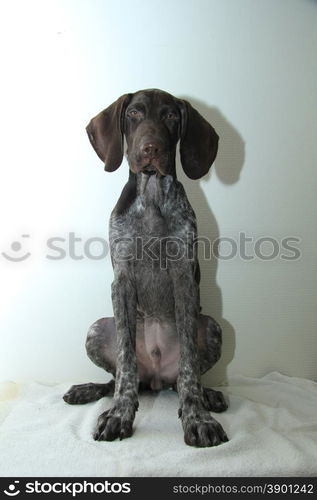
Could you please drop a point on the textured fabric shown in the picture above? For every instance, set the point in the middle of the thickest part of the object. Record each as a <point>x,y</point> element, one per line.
<point>271,424</point>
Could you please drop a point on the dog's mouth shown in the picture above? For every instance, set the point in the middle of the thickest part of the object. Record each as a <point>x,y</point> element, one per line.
<point>149,170</point>
<point>149,166</point>
<point>156,166</point>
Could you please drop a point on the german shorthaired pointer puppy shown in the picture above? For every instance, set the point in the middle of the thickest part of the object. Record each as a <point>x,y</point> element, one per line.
<point>158,338</point>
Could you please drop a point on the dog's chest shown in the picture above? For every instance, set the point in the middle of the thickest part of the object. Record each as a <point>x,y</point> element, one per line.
<point>151,266</point>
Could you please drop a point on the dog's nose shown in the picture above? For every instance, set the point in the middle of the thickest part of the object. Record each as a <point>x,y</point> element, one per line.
<point>151,150</point>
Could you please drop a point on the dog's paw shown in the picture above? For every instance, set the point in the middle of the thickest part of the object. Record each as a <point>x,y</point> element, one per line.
<point>110,427</point>
<point>79,394</point>
<point>115,423</point>
<point>86,393</point>
<point>203,431</point>
<point>214,400</point>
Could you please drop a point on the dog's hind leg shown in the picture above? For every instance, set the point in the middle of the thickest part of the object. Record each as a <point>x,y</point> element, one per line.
<point>101,349</point>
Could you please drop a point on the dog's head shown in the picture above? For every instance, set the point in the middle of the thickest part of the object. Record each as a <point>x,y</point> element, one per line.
<point>153,121</point>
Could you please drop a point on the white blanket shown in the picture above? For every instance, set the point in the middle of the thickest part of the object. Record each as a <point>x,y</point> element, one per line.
<point>271,424</point>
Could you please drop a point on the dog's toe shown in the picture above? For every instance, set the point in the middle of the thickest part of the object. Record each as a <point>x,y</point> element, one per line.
<point>111,425</point>
<point>214,401</point>
<point>80,394</point>
<point>108,428</point>
<point>203,432</point>
<point>73,396</point>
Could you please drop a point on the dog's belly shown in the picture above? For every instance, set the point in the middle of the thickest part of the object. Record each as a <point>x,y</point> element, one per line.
<point>157,348</point>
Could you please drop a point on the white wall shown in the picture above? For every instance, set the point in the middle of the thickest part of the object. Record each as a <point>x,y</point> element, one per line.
<point>249,66</point>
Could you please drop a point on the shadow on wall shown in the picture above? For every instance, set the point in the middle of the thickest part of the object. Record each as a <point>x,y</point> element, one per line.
<point>228,165</point>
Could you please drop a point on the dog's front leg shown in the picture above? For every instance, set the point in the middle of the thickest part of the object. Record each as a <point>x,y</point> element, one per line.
<point>118,420</point>
<point>200,428</point>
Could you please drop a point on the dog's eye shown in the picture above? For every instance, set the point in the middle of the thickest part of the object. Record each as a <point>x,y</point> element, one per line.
<point>134,113</point>
<point>171,116</point>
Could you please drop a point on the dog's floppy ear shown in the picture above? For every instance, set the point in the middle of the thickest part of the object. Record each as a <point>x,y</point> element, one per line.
<point>105,132</point>
<point>198,142</point>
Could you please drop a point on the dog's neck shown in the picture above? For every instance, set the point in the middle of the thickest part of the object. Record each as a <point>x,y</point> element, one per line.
<point>147,190</point>
<point>152,189</point>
